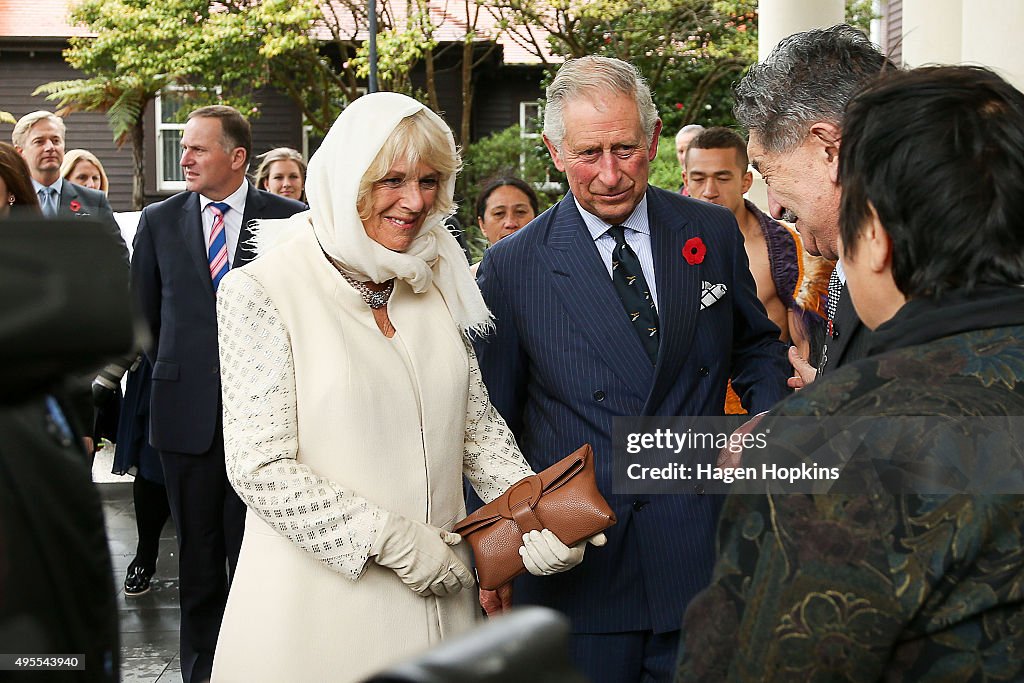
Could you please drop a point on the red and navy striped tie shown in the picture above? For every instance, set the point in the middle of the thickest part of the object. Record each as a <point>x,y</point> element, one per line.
<point>218,251</point>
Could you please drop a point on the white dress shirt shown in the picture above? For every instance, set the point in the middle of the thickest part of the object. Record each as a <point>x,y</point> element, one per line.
<point>638,237</point>
<point>232,218</point>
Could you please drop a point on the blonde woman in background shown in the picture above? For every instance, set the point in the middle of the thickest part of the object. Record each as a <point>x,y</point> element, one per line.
<point>282,171</point>
<point>81,167</point>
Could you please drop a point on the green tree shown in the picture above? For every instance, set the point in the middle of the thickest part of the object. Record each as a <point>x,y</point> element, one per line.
<point>137,49</point>
<point>690,51</point>
<point>687,49</point>
<point>504,153</point>
<point>307,49</point>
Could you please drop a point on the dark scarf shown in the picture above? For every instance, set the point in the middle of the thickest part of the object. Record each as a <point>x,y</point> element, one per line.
<point>924,320</point>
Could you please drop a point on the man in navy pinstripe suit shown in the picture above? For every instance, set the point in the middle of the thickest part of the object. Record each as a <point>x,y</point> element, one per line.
<point>573,350</point>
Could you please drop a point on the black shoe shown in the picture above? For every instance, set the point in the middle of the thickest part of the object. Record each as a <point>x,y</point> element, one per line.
<point>137,580</point>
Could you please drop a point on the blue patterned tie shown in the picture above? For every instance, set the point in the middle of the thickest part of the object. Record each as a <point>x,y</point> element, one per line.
<point>218,248</point>
<point>631,286</point>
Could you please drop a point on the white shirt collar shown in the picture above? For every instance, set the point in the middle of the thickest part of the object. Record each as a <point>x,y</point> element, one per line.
<point>57,185</point>
<point>637,220</point>
<point>840,273</point>
<point>236,200</point>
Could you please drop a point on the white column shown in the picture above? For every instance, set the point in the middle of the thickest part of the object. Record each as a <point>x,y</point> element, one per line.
<point>777,19</point>
<point>991,37</point>
<point>933,30</point>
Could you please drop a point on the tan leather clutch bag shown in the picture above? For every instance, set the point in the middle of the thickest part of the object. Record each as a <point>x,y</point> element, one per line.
<point>563,498</point>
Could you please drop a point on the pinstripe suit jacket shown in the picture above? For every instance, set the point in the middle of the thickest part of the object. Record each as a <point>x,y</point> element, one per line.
<point>565,360</point>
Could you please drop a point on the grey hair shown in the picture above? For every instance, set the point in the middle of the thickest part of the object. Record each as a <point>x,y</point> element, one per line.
<point>807,77</point>
<point>19,136</point>
<point>592,75</point>
<point>687,129</point>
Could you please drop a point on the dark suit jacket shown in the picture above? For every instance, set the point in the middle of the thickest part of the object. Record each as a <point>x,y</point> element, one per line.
<point>565,360</point>
<point>171,282</point>
<point>88,205</point>
<point>91,203</point>
<point>849,339</point>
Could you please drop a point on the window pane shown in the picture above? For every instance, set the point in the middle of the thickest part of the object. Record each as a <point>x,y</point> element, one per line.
<point>170,145</point>
<point>170,104</point>
<point>531,119</point>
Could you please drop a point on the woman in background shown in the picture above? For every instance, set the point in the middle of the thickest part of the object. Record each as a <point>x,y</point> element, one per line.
<point>16,192</point>
<point>81,167</point>
<point>283,172</point>
<point>504,206</point>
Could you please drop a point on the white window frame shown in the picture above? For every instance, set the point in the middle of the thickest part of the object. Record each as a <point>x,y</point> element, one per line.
<point>524,117</point>
<point>307,133</point>
<point>163,184</point>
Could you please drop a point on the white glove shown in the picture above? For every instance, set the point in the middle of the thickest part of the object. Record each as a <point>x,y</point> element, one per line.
<point>543,554</point>
<point>420,555</point>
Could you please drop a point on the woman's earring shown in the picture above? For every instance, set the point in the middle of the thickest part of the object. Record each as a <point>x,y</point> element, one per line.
<point>10,200</point>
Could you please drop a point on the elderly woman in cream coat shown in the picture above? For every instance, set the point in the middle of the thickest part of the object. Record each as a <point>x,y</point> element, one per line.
<point>353,405</point>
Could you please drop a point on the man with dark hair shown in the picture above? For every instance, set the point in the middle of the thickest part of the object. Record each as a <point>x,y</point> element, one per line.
<point>886,581</point>
<point>792,103</point>
<point>790,283</point>
<point>183,247</point>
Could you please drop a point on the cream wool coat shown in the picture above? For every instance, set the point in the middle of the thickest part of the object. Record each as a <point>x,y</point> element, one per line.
<point>328,424</point>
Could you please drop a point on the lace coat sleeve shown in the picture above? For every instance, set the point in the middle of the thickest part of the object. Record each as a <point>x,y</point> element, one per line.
<point>261,437</point>
<point>491,461</point>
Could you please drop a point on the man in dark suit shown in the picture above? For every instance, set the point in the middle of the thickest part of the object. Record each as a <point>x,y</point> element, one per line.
<point>793,104</point>
<point>183,246</point>
<point>909,567</point>
<point>622,299</point>
<point>39,138</point>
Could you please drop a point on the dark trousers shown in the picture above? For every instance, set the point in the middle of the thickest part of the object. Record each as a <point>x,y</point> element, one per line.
<point>209,518</point>
<point>629,657</point>
<point>151,513</point>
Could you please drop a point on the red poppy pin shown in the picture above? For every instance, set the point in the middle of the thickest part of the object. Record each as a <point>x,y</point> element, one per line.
<point>74,205</point>
<point>694,251</point>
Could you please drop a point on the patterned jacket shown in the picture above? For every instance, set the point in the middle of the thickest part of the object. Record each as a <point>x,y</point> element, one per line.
<point>870,585</point>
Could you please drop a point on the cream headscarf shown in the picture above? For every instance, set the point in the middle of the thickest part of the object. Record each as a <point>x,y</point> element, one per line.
<point>332,186</point>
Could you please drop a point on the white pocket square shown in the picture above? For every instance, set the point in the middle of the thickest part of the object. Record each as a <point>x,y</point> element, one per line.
<point>710,294</point>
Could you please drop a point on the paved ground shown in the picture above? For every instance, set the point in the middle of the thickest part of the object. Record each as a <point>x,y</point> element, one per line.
<point>149,623</point>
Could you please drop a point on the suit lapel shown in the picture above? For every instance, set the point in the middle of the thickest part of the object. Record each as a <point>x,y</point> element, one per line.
<point>678,294</point>
<point>191,227</point>
<point>254,205</point>
<point>844,323</point>
<point>581,280</point>
<point>67,194</point>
